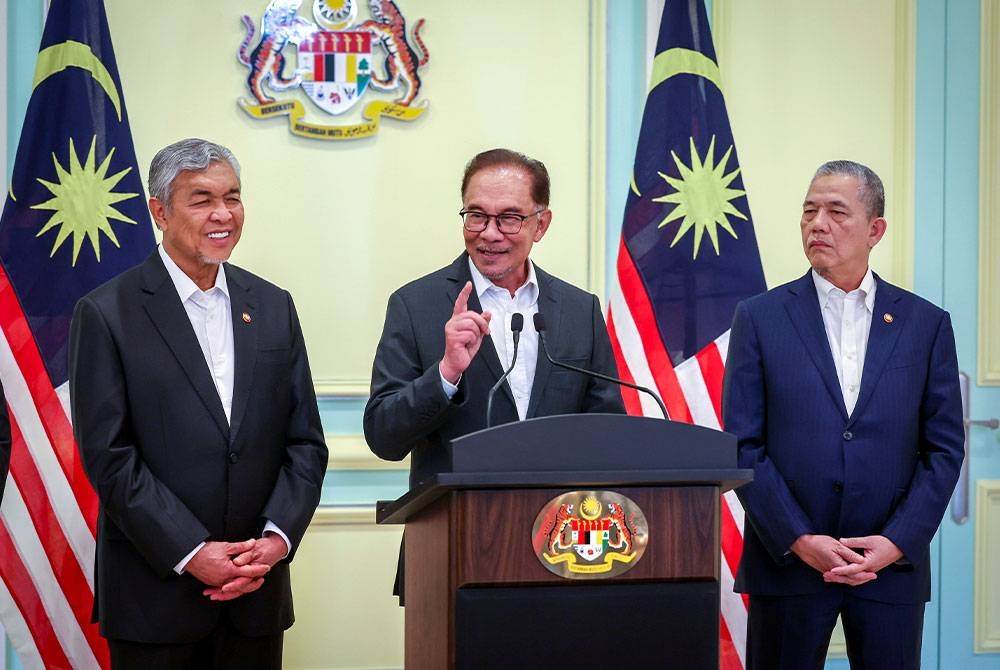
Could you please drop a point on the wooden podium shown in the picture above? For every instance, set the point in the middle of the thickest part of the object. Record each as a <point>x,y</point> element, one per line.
<point>478,596</point>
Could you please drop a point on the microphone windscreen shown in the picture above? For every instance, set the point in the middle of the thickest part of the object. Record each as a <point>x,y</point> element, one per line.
<point>516,322</point>
<point>539,322</point>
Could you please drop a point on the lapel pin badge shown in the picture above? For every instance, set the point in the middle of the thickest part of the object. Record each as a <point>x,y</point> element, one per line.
<point>246,317</point>
<point>887,317</point>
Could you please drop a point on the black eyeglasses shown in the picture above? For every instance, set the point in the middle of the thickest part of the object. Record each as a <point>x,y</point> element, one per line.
<point>508,223</point>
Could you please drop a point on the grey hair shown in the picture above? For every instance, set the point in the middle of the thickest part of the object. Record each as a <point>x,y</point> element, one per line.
<point>191,154</point>
<point>870,189</point>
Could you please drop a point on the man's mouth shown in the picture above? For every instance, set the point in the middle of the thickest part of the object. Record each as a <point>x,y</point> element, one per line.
<point>219,235</point>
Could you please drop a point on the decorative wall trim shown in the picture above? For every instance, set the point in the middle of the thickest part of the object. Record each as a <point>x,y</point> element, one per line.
<point>989,202</point>
<point>344,515</point>
<point>351,452</point>
<point>342,388</point>
<point>598,87</point>
<point>986,611</point>
<point>904,156</point>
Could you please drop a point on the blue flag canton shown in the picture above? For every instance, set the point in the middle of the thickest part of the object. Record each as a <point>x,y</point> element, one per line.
<point>687,221</point>
<point>76,214</point>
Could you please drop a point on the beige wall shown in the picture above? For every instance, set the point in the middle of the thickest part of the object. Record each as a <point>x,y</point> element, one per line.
<point>807,82</point>
<point>343,224</point>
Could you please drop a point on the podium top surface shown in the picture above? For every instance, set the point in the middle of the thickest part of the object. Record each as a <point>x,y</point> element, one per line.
<point>578,451</point>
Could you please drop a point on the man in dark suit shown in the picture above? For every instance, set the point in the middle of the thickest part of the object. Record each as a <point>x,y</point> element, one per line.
<point>843,392</point>
<point>441,351</point>
<point>195,415</point>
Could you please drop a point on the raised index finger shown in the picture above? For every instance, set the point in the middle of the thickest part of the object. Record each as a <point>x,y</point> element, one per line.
<point>462,302</point>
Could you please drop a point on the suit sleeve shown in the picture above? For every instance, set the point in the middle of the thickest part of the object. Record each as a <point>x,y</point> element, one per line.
<point>300,481</point>
<point>602,396</point>
<point>407,401</point>
<point>942,449</point>
<point>154,520</point>
<point>776,516</point>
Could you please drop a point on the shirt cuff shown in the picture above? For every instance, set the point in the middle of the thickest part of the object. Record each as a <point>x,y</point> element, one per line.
<point>179,568</point>
<point>269,527</point>
<point>449,389</point>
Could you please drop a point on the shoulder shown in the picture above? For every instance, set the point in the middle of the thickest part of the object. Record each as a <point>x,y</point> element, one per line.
<point>252,282</point>
<point>433,283</point>
<point>779,295</point>
<point>551,286</point>
<point>896,294</point>
<point>129,282</point>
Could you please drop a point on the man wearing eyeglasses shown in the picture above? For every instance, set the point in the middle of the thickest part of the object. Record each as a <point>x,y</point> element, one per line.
<point>447,336</point>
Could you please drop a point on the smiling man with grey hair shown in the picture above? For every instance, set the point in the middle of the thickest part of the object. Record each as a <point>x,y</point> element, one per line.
<point>196,420</point>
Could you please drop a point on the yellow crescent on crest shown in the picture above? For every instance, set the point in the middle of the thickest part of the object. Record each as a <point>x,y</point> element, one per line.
<point>673,62</point>
<point>58,57</point>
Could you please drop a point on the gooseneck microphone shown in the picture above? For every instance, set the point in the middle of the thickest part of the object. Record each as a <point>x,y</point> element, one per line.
<point>516,326</point>
<point>540,329</point>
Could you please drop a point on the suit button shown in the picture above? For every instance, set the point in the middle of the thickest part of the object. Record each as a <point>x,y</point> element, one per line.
<point>233,457</point>
<point>838,487</point>
<point>848,435</point>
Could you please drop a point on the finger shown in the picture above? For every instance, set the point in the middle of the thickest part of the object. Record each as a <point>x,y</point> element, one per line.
<point>848,554</point>
<point>253,585</point>
<point>236,585</point>
<point>860,542</point>
<point>251,571</point>
<point>246,558</point>
<point>234,548</point>
<point>462,303</point>
<point>475,320</point>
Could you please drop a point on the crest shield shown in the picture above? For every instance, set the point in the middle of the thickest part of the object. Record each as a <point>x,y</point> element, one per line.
<point>335,68</point>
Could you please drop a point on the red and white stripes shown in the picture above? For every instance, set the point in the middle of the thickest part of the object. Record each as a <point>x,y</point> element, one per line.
<point>692,393</point>
<point>48,515</point>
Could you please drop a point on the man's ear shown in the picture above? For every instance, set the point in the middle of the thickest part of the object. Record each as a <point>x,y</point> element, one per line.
<point>876,229</point>
<point>159,212</point>
<point>544,219</point>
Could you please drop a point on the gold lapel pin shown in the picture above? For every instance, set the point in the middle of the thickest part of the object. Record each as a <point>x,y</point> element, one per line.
<point>887,317</point>
<point>246,317</point>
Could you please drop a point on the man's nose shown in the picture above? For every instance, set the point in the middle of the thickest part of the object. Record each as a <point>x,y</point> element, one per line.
<point>492,230</point>
<point>221,213</point>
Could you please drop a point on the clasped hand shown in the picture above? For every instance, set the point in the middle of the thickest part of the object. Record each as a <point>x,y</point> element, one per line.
<point>232,569</point>
<point>840,563</point>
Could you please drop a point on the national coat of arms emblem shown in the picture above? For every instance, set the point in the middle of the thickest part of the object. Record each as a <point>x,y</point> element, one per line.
<point>338,61</point>
<point>589,534</point>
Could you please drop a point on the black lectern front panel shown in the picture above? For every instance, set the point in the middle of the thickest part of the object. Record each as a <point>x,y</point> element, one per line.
<point>599,626</point>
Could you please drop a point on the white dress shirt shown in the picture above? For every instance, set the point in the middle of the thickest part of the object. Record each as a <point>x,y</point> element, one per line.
<point>847,318</point>
<point>211,318</point>
<point>502,306</point>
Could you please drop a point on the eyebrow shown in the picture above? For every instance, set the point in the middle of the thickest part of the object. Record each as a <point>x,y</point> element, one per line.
<point>832,203</point>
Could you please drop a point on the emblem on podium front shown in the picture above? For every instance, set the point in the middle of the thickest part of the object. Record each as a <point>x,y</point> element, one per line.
<point>590,535</point>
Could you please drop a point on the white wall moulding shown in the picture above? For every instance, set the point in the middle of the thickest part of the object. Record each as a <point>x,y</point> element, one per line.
<point>989,197</point>
<point>987,557</point>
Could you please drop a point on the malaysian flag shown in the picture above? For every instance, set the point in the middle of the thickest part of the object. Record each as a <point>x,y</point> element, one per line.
<point>687,256</point>
<point>74,217</point>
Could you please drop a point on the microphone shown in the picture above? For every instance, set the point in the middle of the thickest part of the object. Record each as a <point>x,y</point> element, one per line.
<point>516,326</point>
<point>540,329</point>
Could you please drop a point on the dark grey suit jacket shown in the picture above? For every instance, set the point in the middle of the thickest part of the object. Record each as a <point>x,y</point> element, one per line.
<point>409,413</point>
<point>169,470</point>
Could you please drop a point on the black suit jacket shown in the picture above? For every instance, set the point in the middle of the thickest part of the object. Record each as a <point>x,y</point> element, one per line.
<point>168,468</point>
<point>408,411</point>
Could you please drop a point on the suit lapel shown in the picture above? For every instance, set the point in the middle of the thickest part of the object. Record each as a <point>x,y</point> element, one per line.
<point>881,338</point>
<point>167,313</point>
<point>803,309</point>
<point>242,302</point>
<point>550,306</point>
